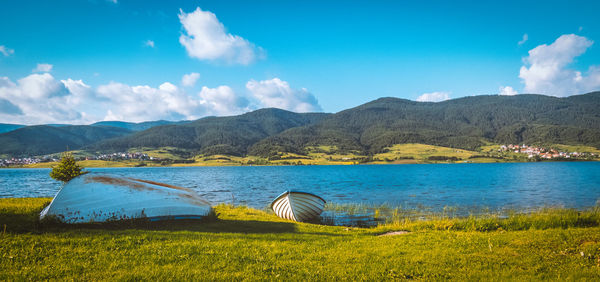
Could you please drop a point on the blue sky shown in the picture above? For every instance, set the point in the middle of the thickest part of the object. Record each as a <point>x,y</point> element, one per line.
<point>299,55</point>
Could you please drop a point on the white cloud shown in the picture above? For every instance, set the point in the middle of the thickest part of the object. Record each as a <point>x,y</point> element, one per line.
<point>434,97</point>
<point>143,103</point>
<point>43,68</point>
<point>525,38</point>
<point>8,108</point>
<point>6,51</point>
<point>149,43</point>
<point>277,93</point>
<point>190,79</point>
<point>507,90</point>
<point>41,86</point>
<point>39,98</point>
<point>548,71</point>
<point>222,100</point>
<point>80,93</point>
<point>113,1</point>
<point>205,38</point>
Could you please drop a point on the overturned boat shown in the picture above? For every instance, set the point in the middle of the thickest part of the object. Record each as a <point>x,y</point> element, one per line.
<point>95,197</point>
<point>298,206</point>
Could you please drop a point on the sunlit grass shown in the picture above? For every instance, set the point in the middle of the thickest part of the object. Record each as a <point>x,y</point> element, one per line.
<point>576,148</point>
<point>421,153</point>
<point>249,244</point>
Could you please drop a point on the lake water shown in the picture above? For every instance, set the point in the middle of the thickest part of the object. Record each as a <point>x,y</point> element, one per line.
<point>430,186</point>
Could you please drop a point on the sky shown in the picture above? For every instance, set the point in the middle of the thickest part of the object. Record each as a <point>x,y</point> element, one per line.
<point>80,62</point>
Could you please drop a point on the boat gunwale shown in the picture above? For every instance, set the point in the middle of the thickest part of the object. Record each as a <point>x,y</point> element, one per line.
<point>290,192</point>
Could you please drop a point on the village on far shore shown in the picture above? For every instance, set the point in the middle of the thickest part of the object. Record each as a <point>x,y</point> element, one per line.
<point>541,152</point>
<point>119,156</point>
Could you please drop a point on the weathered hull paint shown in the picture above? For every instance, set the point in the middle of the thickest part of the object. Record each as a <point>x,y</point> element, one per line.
<point>298,206</point>
<point>97,197</point>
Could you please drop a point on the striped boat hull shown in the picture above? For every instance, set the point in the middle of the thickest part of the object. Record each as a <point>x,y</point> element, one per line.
<point>298,206</point>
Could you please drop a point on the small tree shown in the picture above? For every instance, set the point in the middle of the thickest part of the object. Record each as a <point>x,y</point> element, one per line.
<point>67,169</point>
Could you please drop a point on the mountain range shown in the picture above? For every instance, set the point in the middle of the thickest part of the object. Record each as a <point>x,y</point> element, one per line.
<point>468,123</point>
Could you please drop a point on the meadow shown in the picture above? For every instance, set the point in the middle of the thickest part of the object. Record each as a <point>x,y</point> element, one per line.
<point>249,244</point>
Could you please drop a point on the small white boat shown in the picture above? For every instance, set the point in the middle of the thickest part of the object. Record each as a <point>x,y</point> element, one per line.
<point>298,206</point>
<point>97,197</point>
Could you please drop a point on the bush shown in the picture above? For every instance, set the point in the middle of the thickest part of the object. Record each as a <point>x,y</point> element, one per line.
<point>443,158</point>
<point>67,169</point>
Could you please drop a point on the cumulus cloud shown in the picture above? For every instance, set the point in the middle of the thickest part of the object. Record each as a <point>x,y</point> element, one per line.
<point>79,93</point>
<point>41,86</point>
<point>149,43</point>
<point>278,94</point>
<point>206,38</point>
<point>547,68</point>
<point>190,79</point>
<point>35,99</point>
<point>143,103</point>
<point>222,100</point>
<point>43,68</point>
<point>6,51</point>
<point>434,97</point>
<point>39,98</point>
<point>507,90</point>
<point>525,38</point>
<point>6,107</point>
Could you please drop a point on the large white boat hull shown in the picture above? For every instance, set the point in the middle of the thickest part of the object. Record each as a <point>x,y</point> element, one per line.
<point>298,206</point>
<point>96,197</point>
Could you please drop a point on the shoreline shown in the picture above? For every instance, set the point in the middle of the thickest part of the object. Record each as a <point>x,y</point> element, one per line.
<point>114,164</point>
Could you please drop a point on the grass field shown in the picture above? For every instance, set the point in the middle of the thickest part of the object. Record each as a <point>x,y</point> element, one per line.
<point>248,244</point>
<point>420,153</point>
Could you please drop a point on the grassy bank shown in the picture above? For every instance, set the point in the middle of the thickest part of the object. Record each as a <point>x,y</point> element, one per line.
<point>250,244</point>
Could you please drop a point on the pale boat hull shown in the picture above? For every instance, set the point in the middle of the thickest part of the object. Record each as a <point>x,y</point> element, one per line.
<point>298,206</point>
<point>98,198</point>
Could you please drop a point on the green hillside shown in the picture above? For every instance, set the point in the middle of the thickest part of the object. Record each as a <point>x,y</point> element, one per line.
<point>6,127</point>
<point>466,123</point>
<point>137,126</point>
<point>44,139</point>
<point>214,135</point>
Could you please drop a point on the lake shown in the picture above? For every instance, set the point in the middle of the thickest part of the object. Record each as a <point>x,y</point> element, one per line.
<point>493,186</point>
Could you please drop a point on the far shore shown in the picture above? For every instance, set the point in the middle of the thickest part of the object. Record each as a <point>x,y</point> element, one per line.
<point>124,164</point>
<point>409,153</point>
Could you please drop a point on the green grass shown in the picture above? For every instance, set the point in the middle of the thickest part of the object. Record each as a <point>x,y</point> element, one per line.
<point>248,244</point>
<point>421,152</point>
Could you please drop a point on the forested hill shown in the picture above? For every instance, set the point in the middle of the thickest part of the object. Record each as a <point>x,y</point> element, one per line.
<point>224,135</point>
<point>46,139</point>
<point>466,123</point>
<point>137,126</point>
<point>6,127</point>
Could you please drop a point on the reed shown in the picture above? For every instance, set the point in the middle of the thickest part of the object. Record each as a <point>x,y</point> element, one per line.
<point>464,219</point>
